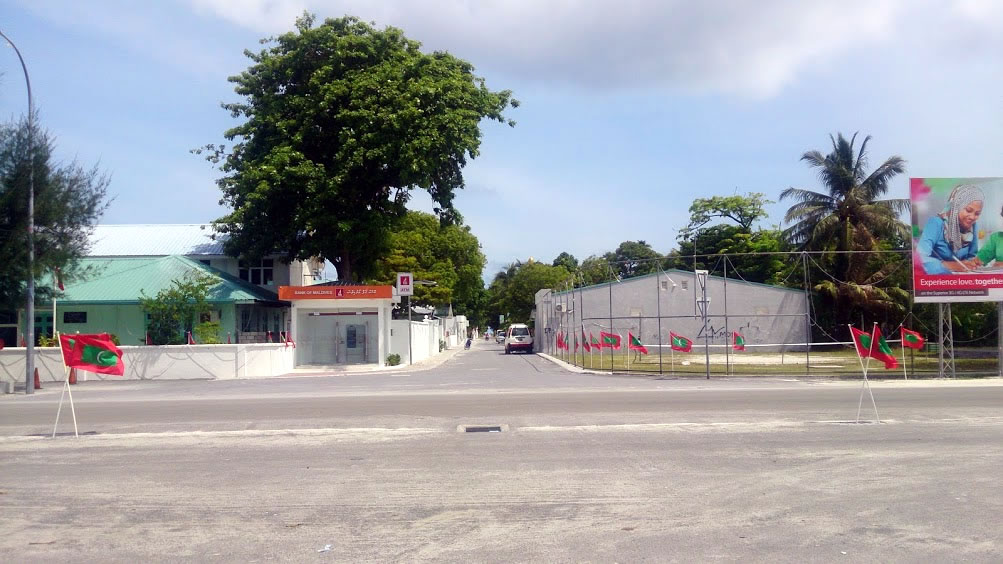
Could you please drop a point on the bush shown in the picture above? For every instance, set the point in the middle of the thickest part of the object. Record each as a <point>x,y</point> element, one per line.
<point>44,341</point>
<point>207,333</point>
<point>393,359</point>
<point>442,345</point>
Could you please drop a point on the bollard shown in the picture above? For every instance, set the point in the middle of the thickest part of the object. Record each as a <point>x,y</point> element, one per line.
<point>38,383</point>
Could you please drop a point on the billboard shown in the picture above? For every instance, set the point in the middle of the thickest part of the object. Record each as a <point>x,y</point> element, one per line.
<point>957,239</point>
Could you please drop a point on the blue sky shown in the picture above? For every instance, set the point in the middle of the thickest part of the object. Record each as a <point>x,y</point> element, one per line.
<point>630,109</point>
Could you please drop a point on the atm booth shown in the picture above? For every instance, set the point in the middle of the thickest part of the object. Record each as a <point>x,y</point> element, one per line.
<point>340,324</point>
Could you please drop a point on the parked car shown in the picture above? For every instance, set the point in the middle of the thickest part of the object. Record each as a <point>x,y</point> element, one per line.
<point>518,338</point>
<point>500,337</point>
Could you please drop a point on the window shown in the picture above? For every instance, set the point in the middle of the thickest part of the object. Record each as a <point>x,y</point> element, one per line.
<point>257,272</point>
<point>74,317</point>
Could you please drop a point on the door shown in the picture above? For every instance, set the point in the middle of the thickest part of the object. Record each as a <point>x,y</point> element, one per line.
<point>355,343</point>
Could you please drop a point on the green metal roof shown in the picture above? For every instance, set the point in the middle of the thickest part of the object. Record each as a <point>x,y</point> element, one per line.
<point>121,279</point>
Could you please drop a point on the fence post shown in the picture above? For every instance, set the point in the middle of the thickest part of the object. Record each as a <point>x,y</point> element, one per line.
<point>807,316</point>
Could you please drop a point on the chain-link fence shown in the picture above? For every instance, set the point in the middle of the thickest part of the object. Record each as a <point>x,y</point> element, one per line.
<point>714,322</point>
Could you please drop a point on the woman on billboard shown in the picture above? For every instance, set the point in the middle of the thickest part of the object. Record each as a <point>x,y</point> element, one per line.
<point>949,243</point>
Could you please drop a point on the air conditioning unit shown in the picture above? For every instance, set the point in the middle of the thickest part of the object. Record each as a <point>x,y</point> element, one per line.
<point>563,308</point>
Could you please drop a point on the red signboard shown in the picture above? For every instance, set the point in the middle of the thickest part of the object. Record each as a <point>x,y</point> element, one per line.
<point>335,292</point>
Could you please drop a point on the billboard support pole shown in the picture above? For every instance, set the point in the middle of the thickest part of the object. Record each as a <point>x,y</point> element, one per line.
<point>999,338</point>
<point>945,338</point>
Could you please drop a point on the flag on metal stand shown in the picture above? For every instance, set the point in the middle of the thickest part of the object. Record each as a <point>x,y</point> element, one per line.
<point>863,343</point>
<point>93,353</point>
<point>634,344</point>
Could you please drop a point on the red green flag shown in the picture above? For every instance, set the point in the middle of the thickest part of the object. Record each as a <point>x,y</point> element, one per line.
<point>881,351</point>
<point>610,340</point>
<point>738,341</point>
<point>862,342</point>
<point>634,344</point>
<point>912,339</point>
<point>576,343</point>
<point>594,343</point>
<point>680,343</point>
<point>560,340</point>
<point>93,353</point>
<point>585,342</point>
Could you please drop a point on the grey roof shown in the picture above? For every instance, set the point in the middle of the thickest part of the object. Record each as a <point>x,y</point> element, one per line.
<point>147,240</point>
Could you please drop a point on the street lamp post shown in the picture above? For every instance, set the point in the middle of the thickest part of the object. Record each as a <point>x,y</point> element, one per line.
<point>29,365</point>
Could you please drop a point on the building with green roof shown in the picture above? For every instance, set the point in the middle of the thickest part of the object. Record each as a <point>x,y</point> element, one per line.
<point>108,300</point>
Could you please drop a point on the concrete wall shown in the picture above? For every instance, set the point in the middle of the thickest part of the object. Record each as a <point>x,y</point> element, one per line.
<point>425,337</point>
<point>761,313</point>
<point>217,362</point>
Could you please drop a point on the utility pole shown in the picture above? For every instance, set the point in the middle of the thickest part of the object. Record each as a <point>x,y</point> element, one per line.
<point>29,323</point>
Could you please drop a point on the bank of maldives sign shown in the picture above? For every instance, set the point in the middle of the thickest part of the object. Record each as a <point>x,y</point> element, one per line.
<point>957,239</point>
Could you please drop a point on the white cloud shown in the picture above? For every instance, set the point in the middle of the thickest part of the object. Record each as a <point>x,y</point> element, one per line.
<point>752,48</point>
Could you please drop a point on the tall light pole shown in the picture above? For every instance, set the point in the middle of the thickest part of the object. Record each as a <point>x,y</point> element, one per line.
<point>29,365</point>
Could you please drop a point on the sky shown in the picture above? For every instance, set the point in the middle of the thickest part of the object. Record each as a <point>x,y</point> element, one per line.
<point>630,109</point>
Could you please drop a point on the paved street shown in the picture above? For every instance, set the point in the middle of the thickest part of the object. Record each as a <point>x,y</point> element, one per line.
<point>587,468</point>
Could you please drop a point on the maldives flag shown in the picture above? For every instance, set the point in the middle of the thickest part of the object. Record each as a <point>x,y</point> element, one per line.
<point>560,340</point>
<point>594,342</point>
<point>634,344</point>
<point>610,340</point>
<point>576,343</point>
<point>585,342</point>
<point>881,351</point>
<point>93,353</point>
<point>680,343</point>
<point>738,341</point>
<point>862,342</point>
<point>912,339</point>
<point>59,280</point>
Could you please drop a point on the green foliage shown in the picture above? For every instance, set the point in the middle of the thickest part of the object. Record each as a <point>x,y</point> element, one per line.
<point>513,291</point>
<point>732,239</point>
<point>743,210</point>
<point>68,201</point>
<point>595,270</point>
<point>174,310</point>
<point>393,359</point>
<point>567,260</point>
<point>208,333</point>
<point>44,341</point>
<point>442,345</point>
<point>449,255</point>
<point>848,215</point>
<point>343,121</point>
<point>634,258</point>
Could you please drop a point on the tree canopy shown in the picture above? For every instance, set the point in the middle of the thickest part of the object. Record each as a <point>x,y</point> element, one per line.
<point>514,289</point>
<point>634,258</point>
<point>743,210</point>
<point>69,201</point>
<point>342,122</point>
<point>449,255</point>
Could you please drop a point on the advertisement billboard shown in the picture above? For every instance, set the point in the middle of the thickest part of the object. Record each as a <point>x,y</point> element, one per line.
<point>957,239</point>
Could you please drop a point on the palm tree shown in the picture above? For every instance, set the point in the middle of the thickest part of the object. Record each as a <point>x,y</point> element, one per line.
<point>849,216</point>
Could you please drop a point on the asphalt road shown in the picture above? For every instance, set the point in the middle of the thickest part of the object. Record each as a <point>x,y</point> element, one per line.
<point>587,468</point>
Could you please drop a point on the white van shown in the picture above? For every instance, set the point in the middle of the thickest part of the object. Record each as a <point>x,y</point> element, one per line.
<point>518,338</point>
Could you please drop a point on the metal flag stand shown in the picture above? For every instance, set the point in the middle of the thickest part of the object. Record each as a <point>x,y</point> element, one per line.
<point>866,385</point>
<point>66,390</point>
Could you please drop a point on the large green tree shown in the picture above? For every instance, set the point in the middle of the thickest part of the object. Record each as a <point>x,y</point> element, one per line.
<point>513,291</point>
<point>342,122</point>
<point>449,255</point>
<point>634,258</point>
<point>744,210</point>
<point>69,200</point>
<point>849,215</point>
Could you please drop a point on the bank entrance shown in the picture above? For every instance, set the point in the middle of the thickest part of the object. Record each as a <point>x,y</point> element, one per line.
<point>340,325</point>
